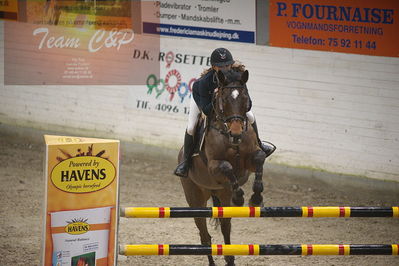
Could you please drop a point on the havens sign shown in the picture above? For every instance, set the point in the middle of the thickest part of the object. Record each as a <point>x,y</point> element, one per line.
<point>83,174</point>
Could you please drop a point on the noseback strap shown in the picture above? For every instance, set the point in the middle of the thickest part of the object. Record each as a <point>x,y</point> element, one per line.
<point>234,87</point>
<point>233,117</point>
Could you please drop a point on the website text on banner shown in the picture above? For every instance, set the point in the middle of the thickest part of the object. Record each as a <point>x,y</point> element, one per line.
<point>227,20</point>
<point>358,26</point>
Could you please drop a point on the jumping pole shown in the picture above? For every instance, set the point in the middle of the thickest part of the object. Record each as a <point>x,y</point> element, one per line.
<point>236,212</point>
<point>235,250</point>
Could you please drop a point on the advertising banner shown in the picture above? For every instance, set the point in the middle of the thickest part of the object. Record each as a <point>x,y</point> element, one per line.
<point>78,43</point>
<point>9,9</point>
<point>81,204</point>
<point>227,20</point>
<point>170,91</point>
<point>352,26</point>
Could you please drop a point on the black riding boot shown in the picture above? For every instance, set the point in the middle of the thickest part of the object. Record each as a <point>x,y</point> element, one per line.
<point>182,168</point>
<point>267,148</point>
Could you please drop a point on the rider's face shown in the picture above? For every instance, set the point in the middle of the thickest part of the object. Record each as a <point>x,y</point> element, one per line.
<point>228,67</point>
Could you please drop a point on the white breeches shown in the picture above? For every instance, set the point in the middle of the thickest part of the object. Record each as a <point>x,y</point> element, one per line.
<point>195,113</point>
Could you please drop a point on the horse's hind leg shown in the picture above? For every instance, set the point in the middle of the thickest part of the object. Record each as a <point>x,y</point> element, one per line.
<point>225,223</point>
<point>258,160</point>
<point>197,198</point>
<point>204,235</point>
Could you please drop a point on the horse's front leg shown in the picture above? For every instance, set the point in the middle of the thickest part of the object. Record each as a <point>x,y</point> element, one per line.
<point>258,160</point>
<point>217,167</point>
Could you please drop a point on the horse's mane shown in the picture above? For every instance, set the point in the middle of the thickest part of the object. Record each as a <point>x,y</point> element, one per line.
<point>237,66</point>
<point>232,75</point>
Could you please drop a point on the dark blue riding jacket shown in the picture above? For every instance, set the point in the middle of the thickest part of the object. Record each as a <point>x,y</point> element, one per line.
<point>203,90</point>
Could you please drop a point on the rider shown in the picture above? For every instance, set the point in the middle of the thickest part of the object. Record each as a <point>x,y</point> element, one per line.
<point>203,89</point>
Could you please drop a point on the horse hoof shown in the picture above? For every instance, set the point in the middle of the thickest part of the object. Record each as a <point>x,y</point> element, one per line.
<point>257,187</point>
<point>211,261</point>
<point>256,201</point>
<point>250,204</point>
<point>239,192</point>
<point>229,260</point>
<point>238,199</point>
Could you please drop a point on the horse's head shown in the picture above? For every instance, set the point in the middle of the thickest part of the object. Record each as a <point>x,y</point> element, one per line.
<point>231,101</point>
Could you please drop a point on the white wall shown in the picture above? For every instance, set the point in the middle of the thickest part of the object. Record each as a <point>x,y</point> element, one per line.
<point>330,111</point>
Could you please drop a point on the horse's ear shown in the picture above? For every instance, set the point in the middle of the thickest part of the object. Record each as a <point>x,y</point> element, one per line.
<point>221,78</point>
<point>244,77</point>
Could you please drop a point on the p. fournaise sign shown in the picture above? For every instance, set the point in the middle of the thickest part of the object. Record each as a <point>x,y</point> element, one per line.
<point>356,26</point>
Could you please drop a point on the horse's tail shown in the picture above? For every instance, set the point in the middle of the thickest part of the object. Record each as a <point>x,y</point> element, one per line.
<point>215,222</point>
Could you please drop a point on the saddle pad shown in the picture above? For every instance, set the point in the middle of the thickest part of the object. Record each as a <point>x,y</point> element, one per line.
<point>199,136</point>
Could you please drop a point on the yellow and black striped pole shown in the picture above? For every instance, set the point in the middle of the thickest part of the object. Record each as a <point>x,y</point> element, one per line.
<point>236,250</point>
<point>235,212</point>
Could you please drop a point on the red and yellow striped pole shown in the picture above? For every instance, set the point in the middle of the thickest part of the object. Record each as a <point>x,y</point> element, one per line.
<point>144,250</point>
<point>145,212</point>
<point>235,250</point>
<point>326,212</point>
<point>254,250</point>
<point>235,212</point>
<point>325,250</point>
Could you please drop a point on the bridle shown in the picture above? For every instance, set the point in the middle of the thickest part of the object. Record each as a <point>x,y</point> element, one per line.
<point>217,103</point>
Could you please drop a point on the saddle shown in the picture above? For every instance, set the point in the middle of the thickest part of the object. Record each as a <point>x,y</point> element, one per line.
<point>199,136</point>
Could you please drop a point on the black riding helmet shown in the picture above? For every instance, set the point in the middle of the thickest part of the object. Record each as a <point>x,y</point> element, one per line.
<point>221,57</point>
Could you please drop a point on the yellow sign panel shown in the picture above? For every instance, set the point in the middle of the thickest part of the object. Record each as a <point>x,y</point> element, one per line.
<point>81,208</point>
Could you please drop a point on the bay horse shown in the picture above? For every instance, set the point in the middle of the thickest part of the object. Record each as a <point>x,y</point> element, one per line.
<point>230,153</point>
